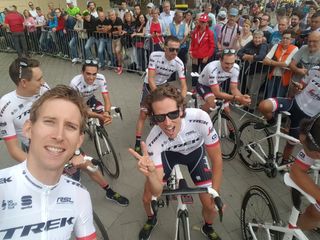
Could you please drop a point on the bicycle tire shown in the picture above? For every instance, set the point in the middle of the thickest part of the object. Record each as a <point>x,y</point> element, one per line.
<point>258,201</point>
<point>108,156</point>
<point>248,134</point>
<point>229,143</point>
<point>182,227</point>
<point>101,232</point>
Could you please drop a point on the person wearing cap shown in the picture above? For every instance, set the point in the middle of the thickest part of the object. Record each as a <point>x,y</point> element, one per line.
<point>150,6</point>
<point>71,9</point>
<point>14,21</point>
<point>202,46</point>
<point>229,31</point>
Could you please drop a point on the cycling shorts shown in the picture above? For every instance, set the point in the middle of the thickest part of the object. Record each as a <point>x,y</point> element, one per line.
<point>204,91</point>
<point>196,162</point>
<point>95,105</point>
<point>290,105</point>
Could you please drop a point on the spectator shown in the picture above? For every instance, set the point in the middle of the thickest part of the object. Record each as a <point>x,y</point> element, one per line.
<point>136,11</point>
<point>276,36</point>
<point>265,26</point>
<point>253,73</point>
<point>91,7</point>
<point>279,58</point>
<point>49,42</point>
<point>101,36</point>
<point>229,31</point>
<point>123,10</point>
<point>71,9</point>
<point>307,57</point>
<point>78,39</point>
<point>179,29</point>
<point>202,46</point>
<point>61,33</point>
<point>51,9</point>
<point>116,31</point>
<point>32,10</point>
<point>30,26</point>
<point>14,21</point>
<point>156,29</point>
<point>138,37</point>
<point>128,29</point>
<point>296,20</point>
<point>166,16</point>
<point>150,6</point>
<point>280,13</point>
<point>315,22</point>
<point>207,9</point>
<point>40,23</point>
<point>188,19</point>
<point>89,25</point>
<point>244,37</point>
<point>222,20</point>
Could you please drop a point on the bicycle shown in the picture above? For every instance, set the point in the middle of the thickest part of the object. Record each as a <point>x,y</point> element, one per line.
<point>105,150</point>
<point>74,173</point>
<point>178,189</point>
<point>222,123</point>
<point>259,144</point>
<point>267,224</point>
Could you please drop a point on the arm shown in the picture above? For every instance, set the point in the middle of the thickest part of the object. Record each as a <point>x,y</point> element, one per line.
<point>184,87</point>
<point>214,154</point>
<point>15,150</point>
<point>262,53</point>
<point>107,102</point>
<point>273,63</point>
<point>297,70</point>
<point>151,79</point>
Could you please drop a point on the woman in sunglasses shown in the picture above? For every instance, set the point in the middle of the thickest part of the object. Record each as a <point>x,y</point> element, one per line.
<point>310,139</point>
<point>180,136</point>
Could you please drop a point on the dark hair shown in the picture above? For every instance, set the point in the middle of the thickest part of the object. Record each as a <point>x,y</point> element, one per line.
<point>172,39</point>
<point>162,92</point>
<point>99,9</point>
<point>38,8</point>
<point>297,13</point>
<point>24,65</point>
<point>91,64</point>
<point>137,5</point>
<point>315,15</point>
<point>289,31</point>
<point>61,92</point>
<point>268,15</point>
<point>88,4</point>
<point>311,129</point>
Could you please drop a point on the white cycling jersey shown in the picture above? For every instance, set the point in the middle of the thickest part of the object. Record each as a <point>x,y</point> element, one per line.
<point>14,111</point>
<point>196,129</point>
<point>31,210</point>
<point>309,98</point>
<point>86,90</point>
<point>213,74</point>
<point>164,68</point>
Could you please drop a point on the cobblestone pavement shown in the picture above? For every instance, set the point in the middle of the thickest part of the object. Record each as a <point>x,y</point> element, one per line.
<point>125,222</point>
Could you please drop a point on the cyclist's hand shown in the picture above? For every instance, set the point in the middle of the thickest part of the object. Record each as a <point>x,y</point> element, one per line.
<point>78,161</point>
<point>107,119</point>
<point>145,164</point>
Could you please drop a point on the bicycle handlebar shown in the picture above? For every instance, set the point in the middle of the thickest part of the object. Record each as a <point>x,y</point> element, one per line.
<point>95,162</point>
<point>118,112</point>
<point>184,190</point>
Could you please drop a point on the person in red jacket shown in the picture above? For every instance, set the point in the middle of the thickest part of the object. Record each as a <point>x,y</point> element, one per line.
<point>202,46</point>
<point>61,32</point>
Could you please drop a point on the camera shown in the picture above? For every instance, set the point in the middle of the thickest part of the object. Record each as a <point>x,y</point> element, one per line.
<point>226,44</point>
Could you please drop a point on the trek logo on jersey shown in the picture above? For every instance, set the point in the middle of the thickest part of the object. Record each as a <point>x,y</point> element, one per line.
<point>155,139</point>
<point>3,124</point>
<point>9,204</point>
<point>64,200</point>
<point>24,114</point>
<point>184,144</point>
<point>198,121</point>
<point>26,202</point>
<point>35,228</point>
<point>5,180</point>
<point>4,108</point>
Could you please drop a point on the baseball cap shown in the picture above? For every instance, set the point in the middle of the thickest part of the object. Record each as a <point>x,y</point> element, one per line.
<point>222,14</point>
<point>204,18</point>
<point>233,12</point>
<point>10,8</point>
<point>150,5</point>
<point>69,1</point>
<point>85,13</point>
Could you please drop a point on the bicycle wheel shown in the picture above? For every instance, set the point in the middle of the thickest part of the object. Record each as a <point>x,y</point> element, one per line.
<point>106,152</point>
<point>228,134</point>
<point>182,227</point>
<point>248,135</point>
<point>258,207</point>
<point>100,229</point>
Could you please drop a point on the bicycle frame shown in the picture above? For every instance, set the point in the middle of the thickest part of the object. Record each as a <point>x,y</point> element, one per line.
<point>276,136</point>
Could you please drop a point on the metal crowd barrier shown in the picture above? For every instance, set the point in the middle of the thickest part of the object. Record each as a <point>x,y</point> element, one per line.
<point>134,53</point>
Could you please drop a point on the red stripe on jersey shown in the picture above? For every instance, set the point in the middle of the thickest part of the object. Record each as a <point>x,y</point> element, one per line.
<point>159,166</point>
<point>213,144</point>
<point>10,138</point>
<point>90,237</point>
<point>105,92</point>
<point>214,84</point>
<point>151,69</point>
<point>302,165</point>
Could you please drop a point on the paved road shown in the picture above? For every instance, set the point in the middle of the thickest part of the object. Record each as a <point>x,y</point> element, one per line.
<point>125,222</point>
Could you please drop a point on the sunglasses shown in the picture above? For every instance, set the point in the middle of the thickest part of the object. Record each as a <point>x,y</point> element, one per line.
<point>173,49</point>
<point>309,134</point>
<point>229,51</point>
<point>158,118</point>
<point>90,61</point>
<point>22,65</point>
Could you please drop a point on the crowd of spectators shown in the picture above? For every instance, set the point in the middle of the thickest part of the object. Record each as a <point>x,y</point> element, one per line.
<point>271,55</point>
